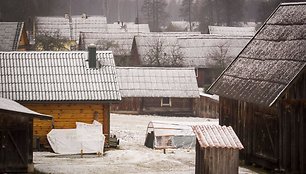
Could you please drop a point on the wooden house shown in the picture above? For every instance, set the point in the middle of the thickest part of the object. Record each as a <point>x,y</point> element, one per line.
<point>13,36</point>
<point>263,92</point>
<point>16,137</point>
<point>62,84</point>
<point>156,90</point>
<point>217,149</point>
<point>69,27</point>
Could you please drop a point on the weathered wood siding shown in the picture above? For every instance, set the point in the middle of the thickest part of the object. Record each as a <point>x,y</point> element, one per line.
<point>16,154</point>
<point>216,160</point>
<point>206,107</point>
<point>66,114</point>
<point>179,106</point>
<point>128,105</point>
<point>273,137</point>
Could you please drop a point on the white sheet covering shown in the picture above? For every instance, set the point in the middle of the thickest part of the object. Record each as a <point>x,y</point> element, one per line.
<point>86,137</point>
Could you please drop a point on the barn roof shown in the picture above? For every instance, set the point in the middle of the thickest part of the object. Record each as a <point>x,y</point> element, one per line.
<point>270,62</point>
<point>122,40</point>
<point>157,82</point>
<point>128,27</point>
<point>71,29</point>
<point>217,136</point>
<point>10,33</point>
<point>232,31</point>
<point>198,51</point>
<point>57,76</point>
<point>10,105</point>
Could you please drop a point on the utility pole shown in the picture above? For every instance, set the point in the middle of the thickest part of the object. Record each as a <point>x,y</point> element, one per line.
<point>189,10</point>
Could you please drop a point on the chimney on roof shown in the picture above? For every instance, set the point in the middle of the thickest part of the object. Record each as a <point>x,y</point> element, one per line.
<point>92,61</point>
<point>84,16</point>
<point>66,16</point>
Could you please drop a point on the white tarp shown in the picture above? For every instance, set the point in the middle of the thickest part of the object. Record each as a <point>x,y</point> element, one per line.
<point>86,138</point>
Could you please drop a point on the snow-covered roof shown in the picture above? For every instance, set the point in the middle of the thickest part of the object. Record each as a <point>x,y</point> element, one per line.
<point>232,31</point>
<point>128,27</point>
<point>270,62</point>
<point>157,82</point>
<point>70,27</point>
<point>10,105</point>
<point>198,51</point>
<point>216,136</point>
<point>10,33</point>
<point>57,76</point>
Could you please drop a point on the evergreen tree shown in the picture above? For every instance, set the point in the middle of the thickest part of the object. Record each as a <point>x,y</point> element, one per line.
<point>154,13</point>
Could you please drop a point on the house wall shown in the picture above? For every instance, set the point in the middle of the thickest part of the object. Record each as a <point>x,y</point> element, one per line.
<point>179,106</point>
<point>273,137</point>
<point>128,105</point>
<point>205,77</point>
<point>16,154</point>
<point>206,107</point>
<point>66,114</point>
<point>216,160</point>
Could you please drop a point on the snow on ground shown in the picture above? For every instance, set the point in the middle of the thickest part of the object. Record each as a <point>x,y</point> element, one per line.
<point>131,156</point>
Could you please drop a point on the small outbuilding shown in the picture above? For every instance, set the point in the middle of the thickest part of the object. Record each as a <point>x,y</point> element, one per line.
<point>217,149</point>
<point>16,137</point>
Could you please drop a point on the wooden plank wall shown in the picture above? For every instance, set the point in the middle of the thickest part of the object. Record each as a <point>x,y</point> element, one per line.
<point>64,116</point>
<point>128,105</point>
<point>206,107</point>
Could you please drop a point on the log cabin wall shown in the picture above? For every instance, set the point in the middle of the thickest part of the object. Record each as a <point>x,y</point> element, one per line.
<point>179,106</point>
<point>66,114</point>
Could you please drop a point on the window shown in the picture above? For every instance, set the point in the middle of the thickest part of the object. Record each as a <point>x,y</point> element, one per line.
<point>166,101</point>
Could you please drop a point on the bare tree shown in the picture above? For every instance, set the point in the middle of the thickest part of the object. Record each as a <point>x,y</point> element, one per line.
<point>161,55</point>
<point>46,41</point>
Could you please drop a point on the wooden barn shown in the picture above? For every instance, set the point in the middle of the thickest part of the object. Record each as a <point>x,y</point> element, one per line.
<point>62,84</point>
<point>13,36</point>
<point>156,90</point>
<point>16,137</point>
<point>263,92</point>
<point>217,149</point>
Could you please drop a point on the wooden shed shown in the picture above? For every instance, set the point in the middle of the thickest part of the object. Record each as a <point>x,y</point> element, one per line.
<point>207,106</point>
<point>157,90</point>
<point>263,92</point>
<point>13,36</point>
<point>61,84</point>
<point>217,149</point>
<point>16,136</point>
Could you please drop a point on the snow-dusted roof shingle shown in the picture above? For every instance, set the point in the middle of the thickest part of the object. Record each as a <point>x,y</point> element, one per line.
<point>216,136</point>
<point>128,27</point>
<point>57,76</point>
<point>198,51</point>
<point>10,33</point>
<point>70,28</point>
<point>123,41</point>
<point>10,105</point>
<point>157,82</point>
<point>232,31</point>
<point>270,62</point>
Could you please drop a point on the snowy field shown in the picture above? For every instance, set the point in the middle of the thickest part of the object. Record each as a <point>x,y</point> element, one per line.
<point>131,156</point>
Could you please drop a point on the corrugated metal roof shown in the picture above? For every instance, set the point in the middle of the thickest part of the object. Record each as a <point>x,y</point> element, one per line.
<point>123,41</point>
<point>157,82</point>
<point>269,63</point>
<point>71,29</point>
<point>232,31</point>
<point>128,27</point>
<point>10,105</point>
<point>10,33</point>
<point>217,136</point>
<point>57,76</point>
<point>198,51</point>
